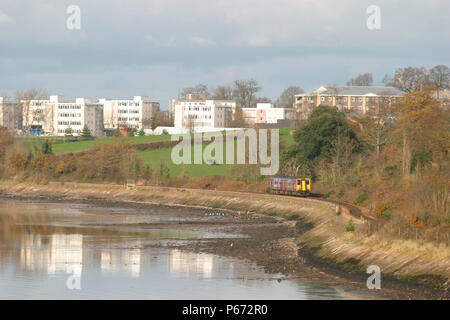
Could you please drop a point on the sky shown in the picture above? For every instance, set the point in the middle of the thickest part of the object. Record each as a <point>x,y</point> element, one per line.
<point>157,47</point>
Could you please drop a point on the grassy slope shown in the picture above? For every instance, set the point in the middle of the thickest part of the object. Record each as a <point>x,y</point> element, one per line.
<point>155,157</point>
<point>62,147</point>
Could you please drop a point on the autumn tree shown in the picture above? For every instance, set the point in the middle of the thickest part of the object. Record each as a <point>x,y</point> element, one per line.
<point>6,140</point>
<point>422,126</point>
<point>375,125</point>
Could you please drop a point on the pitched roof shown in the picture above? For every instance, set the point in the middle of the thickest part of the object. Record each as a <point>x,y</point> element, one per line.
<point>356,91</point>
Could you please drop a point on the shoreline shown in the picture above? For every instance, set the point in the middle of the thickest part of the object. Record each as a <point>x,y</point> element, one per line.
<point>308,232</point>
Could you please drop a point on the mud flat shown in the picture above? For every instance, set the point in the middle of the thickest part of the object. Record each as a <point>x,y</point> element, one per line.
<point>300,238</point>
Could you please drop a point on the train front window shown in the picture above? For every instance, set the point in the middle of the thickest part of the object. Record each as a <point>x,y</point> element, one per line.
<point>299,182</point>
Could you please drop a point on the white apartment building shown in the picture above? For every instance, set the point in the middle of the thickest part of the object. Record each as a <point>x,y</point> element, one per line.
<point>134,114</point>
<point>200,114</point>
<point>10,115</point>
<point>54,116</point>
<point>265,113</point>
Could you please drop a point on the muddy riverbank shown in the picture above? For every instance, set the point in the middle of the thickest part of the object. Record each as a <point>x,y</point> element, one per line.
<point>288,236</point>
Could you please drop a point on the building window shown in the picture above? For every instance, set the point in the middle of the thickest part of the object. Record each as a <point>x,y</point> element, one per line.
<point>353,99</point>
<point>322,98</point>
<point>329,99</point>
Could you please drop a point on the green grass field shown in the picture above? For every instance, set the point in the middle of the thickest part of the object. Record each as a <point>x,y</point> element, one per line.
<point>153,157</point>
<point>62,147</point>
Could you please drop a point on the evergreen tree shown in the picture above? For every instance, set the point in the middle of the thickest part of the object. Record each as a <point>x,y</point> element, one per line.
<point>141,133</point>
<point>117,133</point>
<point>86,133</point>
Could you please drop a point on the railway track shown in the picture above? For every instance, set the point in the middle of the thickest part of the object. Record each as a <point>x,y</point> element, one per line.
<point>353,210</point>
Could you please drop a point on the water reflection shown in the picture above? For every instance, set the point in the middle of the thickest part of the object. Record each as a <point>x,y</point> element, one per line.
<point>52,254</point>
<point>41,245</point>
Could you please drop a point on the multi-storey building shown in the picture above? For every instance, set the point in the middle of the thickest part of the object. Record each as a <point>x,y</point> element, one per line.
<point>196,113</point>
<point>10,115</point>
<point>189,96</point>
<point>54,116</point>
<point>265,113</point>
<point>132,114</point>
<point>351,99</point>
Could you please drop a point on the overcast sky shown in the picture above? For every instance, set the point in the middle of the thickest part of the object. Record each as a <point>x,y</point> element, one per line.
<point>156,47</point>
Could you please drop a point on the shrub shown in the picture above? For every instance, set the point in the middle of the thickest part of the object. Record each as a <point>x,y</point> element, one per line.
<point>17,162</point>
<point>361,198</point>
<point>350,227</point>
<point>383,210</point>
<point>328,194</point>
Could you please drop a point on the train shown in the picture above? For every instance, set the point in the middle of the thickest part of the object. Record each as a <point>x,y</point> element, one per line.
<point>300,186</point>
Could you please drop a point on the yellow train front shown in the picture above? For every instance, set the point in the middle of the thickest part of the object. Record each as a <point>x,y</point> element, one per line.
<point>290,185</point>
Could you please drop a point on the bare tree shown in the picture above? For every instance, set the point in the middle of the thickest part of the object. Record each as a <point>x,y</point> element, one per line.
<point>245,92</point>
<point>375,126</point>
<point>24,99</point>
<point>364,79</point>
<point>223,92</point>
<point>409,79</point>
<point>287,97</point>
<point>439,77</point>
<point>199,88</point>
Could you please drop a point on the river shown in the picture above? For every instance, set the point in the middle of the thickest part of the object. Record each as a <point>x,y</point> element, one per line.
<point>84,251</point>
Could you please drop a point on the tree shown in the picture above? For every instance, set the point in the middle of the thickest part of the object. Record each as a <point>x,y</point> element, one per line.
<point>24,98</point>
<point>117,133</point>
<point>86,133</point>
<point>375,126</point>
<point>6,139</point>
<point>46,147</point>
<point>409,79</point>
<point>315,139</point>
<point>364,79</point>
<point>262,100</point>
<point>223,92</point>
<point>245,92</point>
<point>68,133</point>
<point>199,88</point>
<point>141,133</point>
<point>153,122</point>
<point>287,97</point>
<point>238,120</point>
<point>439,77</point>
<point>422,126</point>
